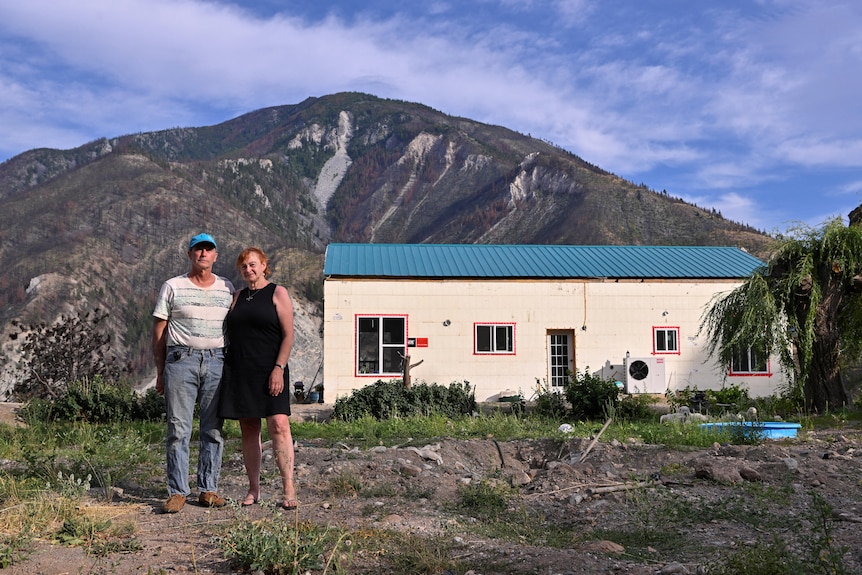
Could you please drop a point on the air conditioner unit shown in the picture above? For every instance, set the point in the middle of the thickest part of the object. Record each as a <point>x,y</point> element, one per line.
<point>645,375</point>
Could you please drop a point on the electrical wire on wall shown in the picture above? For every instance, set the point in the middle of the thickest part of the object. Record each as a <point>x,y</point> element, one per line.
<point>584,324</point>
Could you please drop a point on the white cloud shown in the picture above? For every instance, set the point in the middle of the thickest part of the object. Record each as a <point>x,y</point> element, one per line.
<point>574,12</point>
<point>728,98</point>
<point>816,152</point>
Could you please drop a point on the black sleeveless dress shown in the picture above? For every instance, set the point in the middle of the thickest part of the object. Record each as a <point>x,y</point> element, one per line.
<point>254,338</point>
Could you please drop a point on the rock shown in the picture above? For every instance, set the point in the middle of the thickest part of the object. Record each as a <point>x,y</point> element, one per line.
<point>674,569</point>
<point>519,478</point>
<point>428,452</point>
<point>717,471</point>
<point>603,546</point>
<point>750,474</point>
<point>409,470</point>
<point>840,515</point>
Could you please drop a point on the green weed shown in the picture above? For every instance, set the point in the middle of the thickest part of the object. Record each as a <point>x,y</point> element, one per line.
<point>486,498</point>
<point>345,484</point>
<point>423,556</point>
<point>13,549</point>
<point>762,558</point>
<point>276,546</point>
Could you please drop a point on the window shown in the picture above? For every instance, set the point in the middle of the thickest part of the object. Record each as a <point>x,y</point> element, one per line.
<point>380,343</point>
<point>496,338</point>
<point>665,339</point>
<point>749,361</point>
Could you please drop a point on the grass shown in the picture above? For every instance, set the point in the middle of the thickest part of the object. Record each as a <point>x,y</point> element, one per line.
<point>280,545</point>
<point>59,463</point>
<point>420,430</point>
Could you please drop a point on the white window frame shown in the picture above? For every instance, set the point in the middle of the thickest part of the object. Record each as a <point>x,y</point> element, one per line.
<point>661,339</point>
<point>500,338</point>
<point>384,349</point>
<point>748,360</point>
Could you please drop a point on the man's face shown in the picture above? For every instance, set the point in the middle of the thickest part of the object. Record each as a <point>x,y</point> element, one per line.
<point>203,256</point>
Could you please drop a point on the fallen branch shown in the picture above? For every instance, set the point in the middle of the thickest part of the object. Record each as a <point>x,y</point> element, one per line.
<point>569,488</point>
<point>594,441</point>
<point>621,487</point>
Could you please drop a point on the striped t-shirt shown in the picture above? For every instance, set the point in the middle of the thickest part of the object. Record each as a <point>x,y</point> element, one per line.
<point>195,315</point>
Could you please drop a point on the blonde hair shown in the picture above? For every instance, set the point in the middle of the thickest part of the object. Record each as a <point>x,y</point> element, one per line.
<point>260,255</point>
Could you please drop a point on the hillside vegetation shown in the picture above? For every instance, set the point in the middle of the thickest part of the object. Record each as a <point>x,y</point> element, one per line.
<point>104,224</point>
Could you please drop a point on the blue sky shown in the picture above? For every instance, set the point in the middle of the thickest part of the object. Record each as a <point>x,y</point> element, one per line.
<point>749,107</point>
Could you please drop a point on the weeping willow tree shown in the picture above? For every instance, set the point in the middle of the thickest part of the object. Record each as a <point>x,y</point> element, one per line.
<point>805,305</point>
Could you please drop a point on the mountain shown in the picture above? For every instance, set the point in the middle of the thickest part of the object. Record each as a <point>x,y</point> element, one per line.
<point>104,224</point>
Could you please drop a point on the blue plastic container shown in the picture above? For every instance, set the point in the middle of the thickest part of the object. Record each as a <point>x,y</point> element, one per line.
<point>766,429</point>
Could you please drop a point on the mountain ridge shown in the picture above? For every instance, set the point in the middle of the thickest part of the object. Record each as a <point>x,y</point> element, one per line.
<point>105,223</point>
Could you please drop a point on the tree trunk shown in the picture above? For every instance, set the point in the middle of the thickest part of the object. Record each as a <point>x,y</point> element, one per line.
<point>406,375</point>
<point>824,387</point>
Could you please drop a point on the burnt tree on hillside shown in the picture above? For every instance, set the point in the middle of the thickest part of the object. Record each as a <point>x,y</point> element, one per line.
<point>55,355</point>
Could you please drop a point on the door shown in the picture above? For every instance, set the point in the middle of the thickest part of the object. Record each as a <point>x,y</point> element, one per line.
<point>561,360</point>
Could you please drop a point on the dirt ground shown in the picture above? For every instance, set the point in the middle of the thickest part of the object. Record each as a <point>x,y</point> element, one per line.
<point>576,485</point>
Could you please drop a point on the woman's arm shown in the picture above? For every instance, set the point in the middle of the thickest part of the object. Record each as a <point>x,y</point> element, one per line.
<point>284,309</point>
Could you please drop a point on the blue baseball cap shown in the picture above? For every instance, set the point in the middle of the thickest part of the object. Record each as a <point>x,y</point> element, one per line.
<point>202,239</point>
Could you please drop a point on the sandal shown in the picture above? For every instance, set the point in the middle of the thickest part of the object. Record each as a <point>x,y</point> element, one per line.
<point>249,501</point>
<point>289,504</point>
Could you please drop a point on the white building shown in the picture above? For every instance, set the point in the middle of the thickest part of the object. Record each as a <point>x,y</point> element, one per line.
<point>506,318</point>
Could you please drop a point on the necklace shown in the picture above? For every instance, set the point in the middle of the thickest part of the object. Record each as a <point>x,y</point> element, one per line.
<point>251,295</point>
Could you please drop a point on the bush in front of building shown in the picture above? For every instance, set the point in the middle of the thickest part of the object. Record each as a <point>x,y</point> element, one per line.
<point>385,399</point>
<point>590,396</point>
<point>637,407</point>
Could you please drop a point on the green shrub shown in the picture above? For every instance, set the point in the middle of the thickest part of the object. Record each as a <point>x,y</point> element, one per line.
<point>485,498</point>
<point>14,549</point>
<point>734,396</point>
<point>385,399</point>
<point>590,396</point>
<point>551,404</point>
<point>275,546</point>
<point>761,558</point>
<point>731,397</point>
<point>96,401</point>
<point>637,407</point>
<point>783,406</point>
<point>149,407</point>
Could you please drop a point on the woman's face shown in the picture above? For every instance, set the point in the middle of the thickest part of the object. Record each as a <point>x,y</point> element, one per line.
<point>252,269</point>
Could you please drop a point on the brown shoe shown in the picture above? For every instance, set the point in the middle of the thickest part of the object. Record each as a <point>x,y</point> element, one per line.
<point>211,499</point>
<point>174,503</point>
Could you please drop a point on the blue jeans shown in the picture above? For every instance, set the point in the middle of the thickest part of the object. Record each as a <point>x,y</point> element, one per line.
<point>192,376</point>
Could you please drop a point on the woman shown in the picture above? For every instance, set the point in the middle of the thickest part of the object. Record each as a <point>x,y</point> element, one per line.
<point>260,338</point>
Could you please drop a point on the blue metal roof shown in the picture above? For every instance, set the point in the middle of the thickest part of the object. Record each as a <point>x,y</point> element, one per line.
<point>536,261</point>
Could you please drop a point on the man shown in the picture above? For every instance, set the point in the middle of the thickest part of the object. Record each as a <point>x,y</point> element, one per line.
<point>188,348</point>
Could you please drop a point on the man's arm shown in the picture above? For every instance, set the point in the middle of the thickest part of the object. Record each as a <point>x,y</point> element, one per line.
<point>160,350</point>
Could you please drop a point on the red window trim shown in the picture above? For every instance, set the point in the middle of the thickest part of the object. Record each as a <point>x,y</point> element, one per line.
<point>356,317</point>
<point>678,341</point>
<point>767,373</point>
